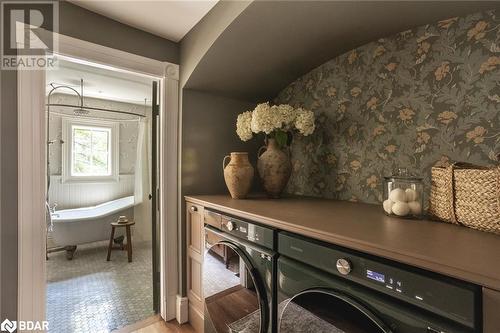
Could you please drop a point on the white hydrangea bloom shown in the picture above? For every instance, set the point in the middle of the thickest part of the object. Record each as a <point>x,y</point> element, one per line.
<point>287,115</point>
<point>304,121</point>
<point>265,119</point>
<point>243,126</point>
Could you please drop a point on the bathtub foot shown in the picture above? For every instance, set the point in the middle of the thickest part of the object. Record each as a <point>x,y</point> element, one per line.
<point>70,251</point>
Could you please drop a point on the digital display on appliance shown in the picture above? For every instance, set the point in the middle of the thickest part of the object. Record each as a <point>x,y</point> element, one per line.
<point>375,276</point>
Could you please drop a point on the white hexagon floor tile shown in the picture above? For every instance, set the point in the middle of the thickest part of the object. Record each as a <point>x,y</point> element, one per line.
<point>89,294</point>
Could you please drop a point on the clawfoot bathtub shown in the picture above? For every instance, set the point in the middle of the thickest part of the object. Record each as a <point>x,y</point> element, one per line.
<point>72,227</point>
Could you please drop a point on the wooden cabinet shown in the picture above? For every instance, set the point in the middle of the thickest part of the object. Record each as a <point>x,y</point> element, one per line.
<point>197,216</point>
<point>194,265</point>
<point>212,218</point>
<point>491,311</point>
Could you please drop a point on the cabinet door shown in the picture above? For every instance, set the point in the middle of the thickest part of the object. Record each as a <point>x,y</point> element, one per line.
<point>491,306</point>
<point>194,231</point>
<point>194,265</point>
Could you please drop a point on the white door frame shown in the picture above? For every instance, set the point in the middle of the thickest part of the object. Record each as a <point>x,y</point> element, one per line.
<point>32,172</point>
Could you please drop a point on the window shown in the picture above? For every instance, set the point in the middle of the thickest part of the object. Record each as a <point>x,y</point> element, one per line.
<point>90,150</point>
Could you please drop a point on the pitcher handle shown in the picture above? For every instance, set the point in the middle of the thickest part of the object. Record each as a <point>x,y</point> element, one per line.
<point>224,162</point>
<point>260,150</point>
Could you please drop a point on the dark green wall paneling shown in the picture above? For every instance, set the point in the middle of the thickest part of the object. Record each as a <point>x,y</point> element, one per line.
<point>426,95</point>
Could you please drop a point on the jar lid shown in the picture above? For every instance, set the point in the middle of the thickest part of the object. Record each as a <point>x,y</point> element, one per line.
<point>403,174</point>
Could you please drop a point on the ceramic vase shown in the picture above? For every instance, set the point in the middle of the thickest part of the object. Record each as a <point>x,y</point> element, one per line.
<point>274,168</point>
<point>238,174</point>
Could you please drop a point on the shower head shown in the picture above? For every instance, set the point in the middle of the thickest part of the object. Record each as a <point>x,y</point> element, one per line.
<point>80,111</point>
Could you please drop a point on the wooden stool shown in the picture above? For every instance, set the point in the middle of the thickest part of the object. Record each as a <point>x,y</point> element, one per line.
<point>115,225</point>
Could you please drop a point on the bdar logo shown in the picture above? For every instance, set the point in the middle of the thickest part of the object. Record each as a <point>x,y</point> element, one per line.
<point>8,326</point>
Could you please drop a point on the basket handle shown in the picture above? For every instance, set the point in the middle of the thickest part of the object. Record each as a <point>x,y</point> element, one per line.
<point>451,178</point>
<point>498,186</point>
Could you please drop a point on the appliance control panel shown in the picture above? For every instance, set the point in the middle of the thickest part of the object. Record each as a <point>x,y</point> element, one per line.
<point>421,288</point>
<point>249,231</point>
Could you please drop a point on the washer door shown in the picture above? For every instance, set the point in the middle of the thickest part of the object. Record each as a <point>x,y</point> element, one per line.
<point>235,298</point>
<point>327,311</point>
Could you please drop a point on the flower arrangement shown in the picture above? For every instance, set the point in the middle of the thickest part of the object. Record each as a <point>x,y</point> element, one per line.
<point>275,121</point>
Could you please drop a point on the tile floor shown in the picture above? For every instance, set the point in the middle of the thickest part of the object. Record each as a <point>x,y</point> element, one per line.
<point>90,295</point>
<point>216,277</point>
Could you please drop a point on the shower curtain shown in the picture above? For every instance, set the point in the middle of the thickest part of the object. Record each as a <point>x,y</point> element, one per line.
<point>142,210</point>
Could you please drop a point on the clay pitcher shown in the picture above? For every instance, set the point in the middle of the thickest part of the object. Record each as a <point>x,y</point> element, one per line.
<point>274,168</point>
<point>238,174</point>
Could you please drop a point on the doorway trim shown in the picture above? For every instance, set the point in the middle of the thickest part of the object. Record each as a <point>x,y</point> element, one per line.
<point>32,171</point>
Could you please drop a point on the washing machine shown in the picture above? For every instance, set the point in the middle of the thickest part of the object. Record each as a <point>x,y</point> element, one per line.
<point>239,274</point>
<point>328,289</point>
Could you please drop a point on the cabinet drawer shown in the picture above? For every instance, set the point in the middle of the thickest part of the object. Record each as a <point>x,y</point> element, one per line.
<point>212,218</point>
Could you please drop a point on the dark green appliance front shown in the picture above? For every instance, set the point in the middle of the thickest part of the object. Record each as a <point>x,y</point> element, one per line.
<point>323,288</point>
<point>239,278</point>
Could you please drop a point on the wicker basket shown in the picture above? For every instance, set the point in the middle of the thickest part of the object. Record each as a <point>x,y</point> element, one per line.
<point>468,195</point>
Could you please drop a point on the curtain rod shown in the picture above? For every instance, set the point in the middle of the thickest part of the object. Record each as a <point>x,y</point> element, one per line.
<point>73,116</point>
<point>97,109</point>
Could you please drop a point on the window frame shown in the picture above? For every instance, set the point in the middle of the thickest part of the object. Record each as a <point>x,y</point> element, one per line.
<point>67,151</point>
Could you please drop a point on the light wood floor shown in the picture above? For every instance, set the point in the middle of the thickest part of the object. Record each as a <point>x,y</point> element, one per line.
<point>163,327</point>
<point>230,305</point>
<point>156,325</point>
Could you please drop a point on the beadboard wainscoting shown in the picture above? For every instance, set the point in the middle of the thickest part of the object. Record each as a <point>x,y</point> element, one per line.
<point>69,195</point>
<point>80,194</point>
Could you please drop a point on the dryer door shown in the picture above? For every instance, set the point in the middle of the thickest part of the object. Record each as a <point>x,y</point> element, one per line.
<point>327,311</point>
<point>235,298</point>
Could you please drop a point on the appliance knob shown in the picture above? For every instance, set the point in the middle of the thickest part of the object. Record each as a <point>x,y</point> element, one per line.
<point>230,226</point>
<point>344,266</point>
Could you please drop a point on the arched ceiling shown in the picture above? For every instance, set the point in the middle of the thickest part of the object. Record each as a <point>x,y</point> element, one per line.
<point>271,43</point>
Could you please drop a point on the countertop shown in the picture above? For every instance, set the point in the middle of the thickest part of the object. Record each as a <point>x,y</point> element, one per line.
<point>444,248</point>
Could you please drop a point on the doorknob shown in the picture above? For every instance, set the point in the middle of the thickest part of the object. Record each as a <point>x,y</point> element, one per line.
<point>150,197</point>
<point>194,209</point>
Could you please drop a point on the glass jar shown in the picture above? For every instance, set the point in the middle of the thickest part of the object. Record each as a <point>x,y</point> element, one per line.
<point>403,195</point>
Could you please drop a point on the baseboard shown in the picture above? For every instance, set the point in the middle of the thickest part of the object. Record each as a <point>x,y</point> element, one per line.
<point>182,309</point>
<point>196,320</point>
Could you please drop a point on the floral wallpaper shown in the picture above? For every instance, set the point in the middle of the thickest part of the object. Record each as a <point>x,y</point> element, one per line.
<point>424,96</point>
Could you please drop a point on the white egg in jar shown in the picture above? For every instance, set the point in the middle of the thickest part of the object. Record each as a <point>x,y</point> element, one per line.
<point>387,204</point>
<point>411,194</point>
<point>397,195</point>
<point>400,208</point>
<point>415,207</point>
